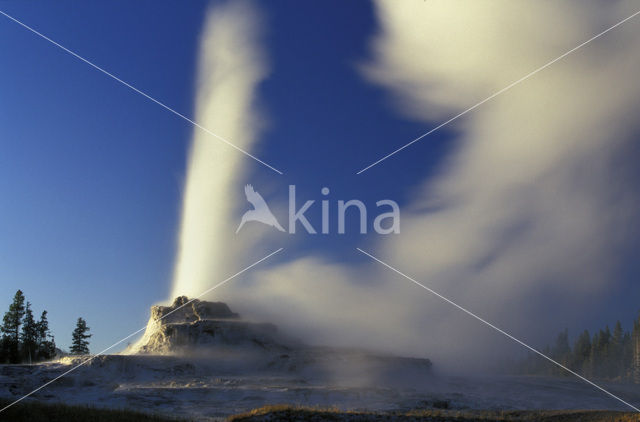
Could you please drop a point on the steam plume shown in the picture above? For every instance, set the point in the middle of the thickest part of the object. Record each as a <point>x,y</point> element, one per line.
<point>525,218</point>
<point>230,66</point>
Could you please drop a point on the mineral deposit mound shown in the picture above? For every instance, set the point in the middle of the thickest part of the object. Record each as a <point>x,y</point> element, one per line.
<point>197,326</point>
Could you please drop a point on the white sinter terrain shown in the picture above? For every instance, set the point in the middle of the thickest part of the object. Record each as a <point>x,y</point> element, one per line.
<point>199,359</point>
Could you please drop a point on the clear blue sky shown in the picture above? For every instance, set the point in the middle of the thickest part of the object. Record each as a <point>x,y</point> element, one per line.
<point>91,173</point>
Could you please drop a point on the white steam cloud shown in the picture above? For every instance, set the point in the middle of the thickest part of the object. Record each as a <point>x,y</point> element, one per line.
<point>532,205</point>
<point>523,221</point>
<point>230,66</point>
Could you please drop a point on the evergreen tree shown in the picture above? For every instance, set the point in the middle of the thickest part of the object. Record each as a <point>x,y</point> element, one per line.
<point>4,349</point>
<point>608,354</point>
<point>596,354</point>
<point>43,327</point>
<point>80,345</point>
<point>604,352</point>
<point>562,351</point>
<point>581,352</point>
<point>600,352</point>
<point>635,359</point>
<point>615,364</point>
<point>11,328</point>
<point>627,355</point>
<point>46,342</point>
<point>29,335</point>
<point>562,348</point>
<point>594,358</point>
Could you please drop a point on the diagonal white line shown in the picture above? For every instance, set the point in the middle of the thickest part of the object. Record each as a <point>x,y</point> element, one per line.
<point>166,107</point>
<point>511,85</point>
<point>498,329</point>
<point>139,330</point>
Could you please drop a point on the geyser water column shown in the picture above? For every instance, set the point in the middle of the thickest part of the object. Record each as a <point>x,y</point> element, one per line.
<point>230,65</point>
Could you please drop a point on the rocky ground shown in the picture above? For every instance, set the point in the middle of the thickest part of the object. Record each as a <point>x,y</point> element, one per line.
<point>213,390</point>
<point>202,361</point>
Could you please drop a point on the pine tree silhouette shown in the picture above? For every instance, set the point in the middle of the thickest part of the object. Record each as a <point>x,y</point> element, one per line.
<point>80,345</point>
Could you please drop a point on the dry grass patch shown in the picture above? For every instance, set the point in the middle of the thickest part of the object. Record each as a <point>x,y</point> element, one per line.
<point>283,412</point>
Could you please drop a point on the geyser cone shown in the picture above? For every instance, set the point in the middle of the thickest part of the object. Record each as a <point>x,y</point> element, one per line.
<point>203,328</point>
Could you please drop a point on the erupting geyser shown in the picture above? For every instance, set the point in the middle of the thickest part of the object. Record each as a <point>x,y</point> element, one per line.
<point>230,66</point>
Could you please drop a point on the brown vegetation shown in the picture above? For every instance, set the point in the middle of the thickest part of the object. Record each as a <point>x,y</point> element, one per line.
<point>295,413</point>
<point>30,411</point>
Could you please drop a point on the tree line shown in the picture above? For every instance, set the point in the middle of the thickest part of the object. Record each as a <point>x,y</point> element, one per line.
<point>26,340</point>
<point>607,354</point>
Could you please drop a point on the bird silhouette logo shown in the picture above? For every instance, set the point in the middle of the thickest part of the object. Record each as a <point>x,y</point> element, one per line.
<point>260,211</point>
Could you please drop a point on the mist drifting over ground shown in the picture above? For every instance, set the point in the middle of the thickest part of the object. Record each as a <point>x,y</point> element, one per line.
<point>521,224</point>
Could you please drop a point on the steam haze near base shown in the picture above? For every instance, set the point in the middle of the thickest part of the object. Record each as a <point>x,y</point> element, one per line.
<point>522,223</point>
